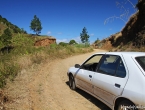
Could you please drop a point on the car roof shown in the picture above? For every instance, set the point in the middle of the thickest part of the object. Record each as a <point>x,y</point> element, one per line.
<point>132,54</point>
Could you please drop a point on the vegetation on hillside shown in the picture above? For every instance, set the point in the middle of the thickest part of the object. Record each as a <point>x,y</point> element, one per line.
<point>4,23</point>
<point>97,41</point>
<point>5,39</point>
<point>24,55</point>
<point>17,52</point>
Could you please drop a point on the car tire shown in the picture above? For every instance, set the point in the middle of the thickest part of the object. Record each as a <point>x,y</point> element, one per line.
<point>72,84</point>
<point>126,105</point>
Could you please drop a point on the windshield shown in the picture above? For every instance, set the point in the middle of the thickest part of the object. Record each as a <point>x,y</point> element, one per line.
<point>141,61</point>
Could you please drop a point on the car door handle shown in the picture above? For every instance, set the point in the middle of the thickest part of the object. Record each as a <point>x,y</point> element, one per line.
<point>117,85</point>
<point>90,76</point>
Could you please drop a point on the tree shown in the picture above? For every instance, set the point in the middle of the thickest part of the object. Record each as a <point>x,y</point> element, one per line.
<point>63,44</point>
<point>23,31</point>
<point>84,36</point>
<point>36,25</point>
<point>72,42</point>
<point>8,32</point>
<point>5,39</point>
<point>17,30</point>
<point>97,41</point>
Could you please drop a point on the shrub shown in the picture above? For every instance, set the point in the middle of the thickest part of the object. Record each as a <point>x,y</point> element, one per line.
<point>8,70</point>
<point>63,44</point>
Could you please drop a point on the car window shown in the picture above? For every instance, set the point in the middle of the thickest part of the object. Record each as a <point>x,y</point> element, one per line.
<point>92,63</point>
<point>141,61</point>
<point>109,65</point>
<point>121,72</point>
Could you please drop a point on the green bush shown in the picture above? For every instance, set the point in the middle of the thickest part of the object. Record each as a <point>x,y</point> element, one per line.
<point>22,40</point>
<point>8,70</point>
<point>82,45</point>
<point>63,44</point>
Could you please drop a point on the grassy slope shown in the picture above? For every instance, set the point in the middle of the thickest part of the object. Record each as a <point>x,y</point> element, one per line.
<point>25,54</point>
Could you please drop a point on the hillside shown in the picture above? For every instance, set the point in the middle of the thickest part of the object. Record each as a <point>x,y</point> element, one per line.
<point>19,37</point>
<point>19,50</point>
<point>4,23</point>
<point>132,36</point>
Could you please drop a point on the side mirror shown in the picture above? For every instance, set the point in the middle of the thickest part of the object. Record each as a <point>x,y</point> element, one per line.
<point>77,66</point>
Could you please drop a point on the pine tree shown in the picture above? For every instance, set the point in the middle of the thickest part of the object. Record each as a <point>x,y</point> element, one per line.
<point>84,36</point>
<point>36,25</point>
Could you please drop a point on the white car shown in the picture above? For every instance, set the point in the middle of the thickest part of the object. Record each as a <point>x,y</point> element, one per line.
<point>115,78</point>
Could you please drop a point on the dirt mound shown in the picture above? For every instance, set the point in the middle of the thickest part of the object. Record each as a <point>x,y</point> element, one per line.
<point>45,42</point>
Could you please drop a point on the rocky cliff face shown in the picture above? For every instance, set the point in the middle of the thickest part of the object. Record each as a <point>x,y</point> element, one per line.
<point>45,42</point>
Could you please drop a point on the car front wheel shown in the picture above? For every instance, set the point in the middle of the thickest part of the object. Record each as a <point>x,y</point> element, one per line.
<point>72,82</point>
<point>126,105</point>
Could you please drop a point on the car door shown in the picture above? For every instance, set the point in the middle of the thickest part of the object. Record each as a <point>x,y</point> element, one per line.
<point>86,73</point>
<point>110,78</point>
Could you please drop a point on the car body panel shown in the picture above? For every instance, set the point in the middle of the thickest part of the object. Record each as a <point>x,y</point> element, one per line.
<point>134,87</point>
<point>108,85</point>
<point>84,79</point>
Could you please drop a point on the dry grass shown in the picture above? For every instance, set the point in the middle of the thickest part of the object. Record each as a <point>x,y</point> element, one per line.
<point>117,36</point>
<point>2,27</point>
<point>24,61</point>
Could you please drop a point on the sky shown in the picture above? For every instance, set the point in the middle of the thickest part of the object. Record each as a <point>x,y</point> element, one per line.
<point>65,19</point>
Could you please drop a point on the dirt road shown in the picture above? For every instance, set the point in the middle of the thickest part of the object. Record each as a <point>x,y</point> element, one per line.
<point>46,88</point>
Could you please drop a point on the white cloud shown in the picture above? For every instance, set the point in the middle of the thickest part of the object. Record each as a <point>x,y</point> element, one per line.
<point>62,40</point>
<point>92,34</point>
<point>77,39</point>
<point>59,33</point>
<point>49,32</point>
